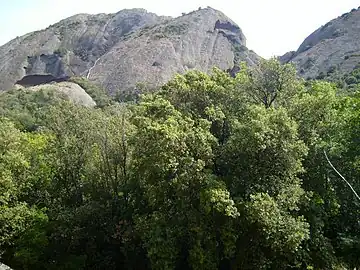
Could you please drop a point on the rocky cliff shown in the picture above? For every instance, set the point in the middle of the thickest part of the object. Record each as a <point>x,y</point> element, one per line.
<point>336,45</point>
<point>123,49</point>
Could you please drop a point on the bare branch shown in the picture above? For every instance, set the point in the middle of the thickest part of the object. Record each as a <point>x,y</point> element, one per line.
<point>342,177</point>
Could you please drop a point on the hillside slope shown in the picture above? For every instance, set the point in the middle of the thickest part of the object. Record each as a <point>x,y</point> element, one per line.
<point>334,46</point>
<point>120,50</point>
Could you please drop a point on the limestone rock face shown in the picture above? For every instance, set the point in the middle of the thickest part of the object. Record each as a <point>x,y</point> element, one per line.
<point>69,47</point>
<point>129,47</point>
<point>334,45</point>
<point>199,40</point>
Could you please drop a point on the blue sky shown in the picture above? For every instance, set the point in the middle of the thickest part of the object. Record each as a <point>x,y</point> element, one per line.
<point>271,27</point>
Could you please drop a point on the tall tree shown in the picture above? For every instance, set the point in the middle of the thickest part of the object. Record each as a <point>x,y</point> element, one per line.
<point>271,84</point>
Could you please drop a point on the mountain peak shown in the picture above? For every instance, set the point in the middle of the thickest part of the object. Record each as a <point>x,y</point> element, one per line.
<point>122,49</point>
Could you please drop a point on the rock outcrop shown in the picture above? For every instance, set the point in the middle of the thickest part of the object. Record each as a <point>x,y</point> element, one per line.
<point>336,45</point>
<point>129,47</point>
<point>70,90</point>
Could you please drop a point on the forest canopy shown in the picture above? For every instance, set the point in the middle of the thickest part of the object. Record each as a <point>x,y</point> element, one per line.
<point>207,172</point>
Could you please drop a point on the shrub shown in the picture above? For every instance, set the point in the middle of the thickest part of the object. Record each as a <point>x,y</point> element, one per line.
<point>176,29</point>
<point>331,70</point>
<point>351,80</point>
<point>61,51</point>
<point>321,76</point>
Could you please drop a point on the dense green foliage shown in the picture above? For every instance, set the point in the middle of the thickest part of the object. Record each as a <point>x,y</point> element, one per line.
<point>208,172</point>
<point>349,80</point>
<point>25,107</point>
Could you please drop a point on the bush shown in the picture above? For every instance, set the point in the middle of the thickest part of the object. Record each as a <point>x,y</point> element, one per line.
<point>240,48</point>
<point>331,70</point>
<point>321,76</point>
<point>351,80</point>
<point>61,51</point>
<point>176,29</point>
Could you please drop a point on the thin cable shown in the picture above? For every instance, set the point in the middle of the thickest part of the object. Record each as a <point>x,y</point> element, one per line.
<point>342,177</point>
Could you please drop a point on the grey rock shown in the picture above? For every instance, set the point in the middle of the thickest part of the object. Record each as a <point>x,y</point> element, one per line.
<point>129,47</point>
<point>72,91</point>
<point>4,267</point>
<point>286,57</point>
<point>69,47</point>
<point>336,44</point>
<point>194,41</point>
